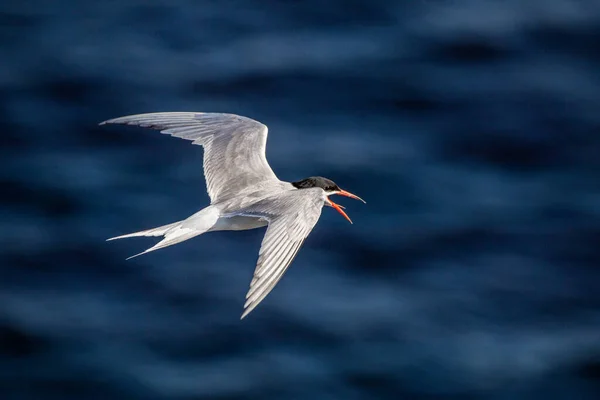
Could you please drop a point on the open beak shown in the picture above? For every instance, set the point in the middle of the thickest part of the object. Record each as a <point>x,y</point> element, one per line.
<point>338,208</point>
<point>352,196</point>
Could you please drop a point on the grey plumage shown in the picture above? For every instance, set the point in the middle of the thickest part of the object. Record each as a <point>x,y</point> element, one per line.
<point>245,193</point>
<point>234,147</point>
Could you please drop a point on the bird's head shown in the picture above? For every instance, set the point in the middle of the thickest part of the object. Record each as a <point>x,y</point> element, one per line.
<point>330,188</point>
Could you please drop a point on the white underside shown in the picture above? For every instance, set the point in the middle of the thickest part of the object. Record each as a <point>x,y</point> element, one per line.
<point>206,220</point>
<point>238,223</point>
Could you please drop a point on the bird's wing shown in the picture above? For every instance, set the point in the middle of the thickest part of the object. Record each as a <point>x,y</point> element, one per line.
<point>234,146</point>
<point>291,216</point>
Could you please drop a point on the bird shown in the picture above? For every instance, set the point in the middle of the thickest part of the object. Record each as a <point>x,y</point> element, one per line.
<point>244,192</point>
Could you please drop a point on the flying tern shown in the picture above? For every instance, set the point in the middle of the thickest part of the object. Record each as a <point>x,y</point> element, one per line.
<point>244,192</point>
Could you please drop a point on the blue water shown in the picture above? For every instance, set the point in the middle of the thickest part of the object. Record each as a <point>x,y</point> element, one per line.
<point>471,128</point>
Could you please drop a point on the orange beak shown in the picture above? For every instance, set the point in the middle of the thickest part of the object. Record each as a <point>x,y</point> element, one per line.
<point>339,208</point>
<point>352,196</point>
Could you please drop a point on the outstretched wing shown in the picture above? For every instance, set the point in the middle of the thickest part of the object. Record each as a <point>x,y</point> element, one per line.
<point>291,216</point>
<point>234,146</point>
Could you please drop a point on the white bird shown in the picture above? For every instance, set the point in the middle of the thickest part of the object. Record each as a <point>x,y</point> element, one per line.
<point>244,192</point>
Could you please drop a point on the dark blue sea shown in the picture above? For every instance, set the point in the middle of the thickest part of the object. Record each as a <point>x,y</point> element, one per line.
<point>471,128</point>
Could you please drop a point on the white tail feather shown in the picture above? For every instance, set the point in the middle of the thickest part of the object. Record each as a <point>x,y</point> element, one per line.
<point>177,232</point>
<point>159,231</point>
<point>172,237</point>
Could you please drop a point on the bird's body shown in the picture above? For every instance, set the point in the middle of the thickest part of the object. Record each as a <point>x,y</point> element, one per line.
<point>245,193</point>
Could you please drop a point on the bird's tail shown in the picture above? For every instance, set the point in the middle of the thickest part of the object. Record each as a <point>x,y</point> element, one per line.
<point>160,231</point>
<point>177,232</point>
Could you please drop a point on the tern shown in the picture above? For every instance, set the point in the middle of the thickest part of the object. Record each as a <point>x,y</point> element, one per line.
<point>244,192</point>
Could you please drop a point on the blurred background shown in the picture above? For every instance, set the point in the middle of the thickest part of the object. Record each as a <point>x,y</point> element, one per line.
<point>472,129</point>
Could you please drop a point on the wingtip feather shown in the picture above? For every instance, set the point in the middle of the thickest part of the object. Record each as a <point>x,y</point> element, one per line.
<point>245,314</point>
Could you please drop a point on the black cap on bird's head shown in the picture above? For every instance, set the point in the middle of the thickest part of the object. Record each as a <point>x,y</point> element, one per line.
<point>317,181</point>
<point>330,187</point>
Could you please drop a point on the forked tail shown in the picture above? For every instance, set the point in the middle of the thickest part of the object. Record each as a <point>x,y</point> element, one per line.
<point>177,232</point>
<point>160,231</point>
